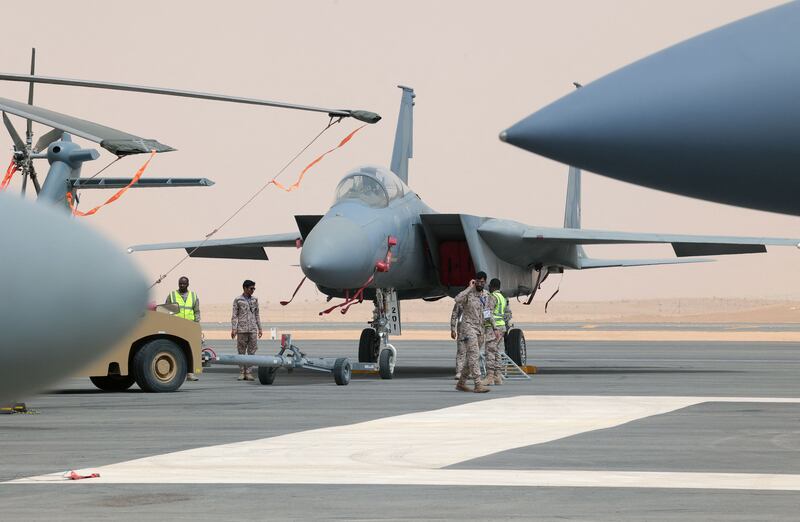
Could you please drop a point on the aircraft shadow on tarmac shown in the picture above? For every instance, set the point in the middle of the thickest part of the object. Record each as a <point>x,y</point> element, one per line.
<point>302,377</point>
<point>601,370</point>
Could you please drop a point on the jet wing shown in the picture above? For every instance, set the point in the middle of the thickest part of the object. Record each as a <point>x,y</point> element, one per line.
<point>234,248</point>
<point>683,245</point>
<point>610,263</point>
<point>528,246</point>
<point>113,140</point>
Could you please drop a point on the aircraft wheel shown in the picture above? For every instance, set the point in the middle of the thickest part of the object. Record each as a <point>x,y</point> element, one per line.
<point>386,364</point>
<point>266,375</point>
<point>341,371</point>
<point>159,366</point>
<point>368,346</point>
<point>516,348</point>
<point>113,383</point>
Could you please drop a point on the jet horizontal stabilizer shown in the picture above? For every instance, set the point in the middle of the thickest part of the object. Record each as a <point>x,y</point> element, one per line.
<point>251,247</point>
<point>715,249</point>
<point>229,252</point>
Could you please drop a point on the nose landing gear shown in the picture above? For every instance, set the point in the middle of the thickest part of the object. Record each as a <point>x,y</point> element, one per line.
<point>374,346</point>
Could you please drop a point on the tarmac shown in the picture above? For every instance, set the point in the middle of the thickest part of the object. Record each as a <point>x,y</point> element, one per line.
<point>605,431</point>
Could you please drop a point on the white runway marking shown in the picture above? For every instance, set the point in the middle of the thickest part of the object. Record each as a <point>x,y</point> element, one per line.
<point>412,449</point>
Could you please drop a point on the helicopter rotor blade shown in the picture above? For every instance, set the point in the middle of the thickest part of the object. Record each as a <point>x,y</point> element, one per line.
<point>46,139</point>
<point>29,127</point>
<point>365,116</point>
<point>18,143</point>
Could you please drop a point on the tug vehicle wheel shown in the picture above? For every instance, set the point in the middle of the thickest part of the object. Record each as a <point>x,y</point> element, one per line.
<point>159,366</point>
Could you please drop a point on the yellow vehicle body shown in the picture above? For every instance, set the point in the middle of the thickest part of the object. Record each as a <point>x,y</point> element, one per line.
<point>156,329</point>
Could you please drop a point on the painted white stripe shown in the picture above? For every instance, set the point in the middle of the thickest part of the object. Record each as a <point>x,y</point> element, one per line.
<point>412,449</point>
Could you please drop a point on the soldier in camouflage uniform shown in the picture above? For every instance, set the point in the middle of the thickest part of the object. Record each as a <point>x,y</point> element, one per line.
<point>458,336</point>
<point>494,345</point>
<point>474,302</point>
<point>245,325</point>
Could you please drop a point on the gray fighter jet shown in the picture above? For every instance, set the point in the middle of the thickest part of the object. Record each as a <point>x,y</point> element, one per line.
<point>716,117</point>
<point>380,241</point>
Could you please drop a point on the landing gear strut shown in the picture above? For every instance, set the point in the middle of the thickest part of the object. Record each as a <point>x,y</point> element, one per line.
<point>385,319</point>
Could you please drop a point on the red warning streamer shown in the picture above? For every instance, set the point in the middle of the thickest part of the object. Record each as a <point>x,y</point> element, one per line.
<point>12,168</point>
<point>296,184</point>
<point>116,196</point>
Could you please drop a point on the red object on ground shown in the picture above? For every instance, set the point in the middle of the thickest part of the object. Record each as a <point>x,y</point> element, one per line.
<point>73,475</point>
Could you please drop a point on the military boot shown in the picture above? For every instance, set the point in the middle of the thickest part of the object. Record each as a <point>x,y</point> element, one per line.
<point>489,379</point>
<point>480,387</point>
<point>461,385</point>
<point>498,378</point>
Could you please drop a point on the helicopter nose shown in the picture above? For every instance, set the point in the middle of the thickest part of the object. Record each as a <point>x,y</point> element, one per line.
<point>87,281</point>
<point>337,254</point>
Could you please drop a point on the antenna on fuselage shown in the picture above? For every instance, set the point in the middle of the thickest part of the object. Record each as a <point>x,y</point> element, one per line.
<point>404,136</point>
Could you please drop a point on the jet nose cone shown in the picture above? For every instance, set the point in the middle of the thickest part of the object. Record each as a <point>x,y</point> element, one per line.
<point>337,254</point>
<point>68,295</point>
<point>703,118</point>
<point>557,129</point>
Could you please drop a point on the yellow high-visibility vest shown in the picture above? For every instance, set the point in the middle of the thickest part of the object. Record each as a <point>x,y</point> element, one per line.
<point>186,308</point>
<point>499,311</point>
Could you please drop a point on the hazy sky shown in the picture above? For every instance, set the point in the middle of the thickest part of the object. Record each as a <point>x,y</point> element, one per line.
<point>477,68</point>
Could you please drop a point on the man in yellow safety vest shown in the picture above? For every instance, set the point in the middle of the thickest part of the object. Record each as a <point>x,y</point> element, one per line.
<point>188,306</point>
<point>494,344</point>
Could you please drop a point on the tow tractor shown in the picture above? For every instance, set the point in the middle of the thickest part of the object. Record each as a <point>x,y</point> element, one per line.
<point>290,357</point>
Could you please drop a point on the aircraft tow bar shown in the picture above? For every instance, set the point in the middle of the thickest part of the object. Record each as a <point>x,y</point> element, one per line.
<point>290,357</point>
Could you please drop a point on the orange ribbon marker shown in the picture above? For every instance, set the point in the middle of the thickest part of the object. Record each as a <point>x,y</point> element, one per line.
<point>113,198</point>
<point>12,168</point>
<point>296,184</point>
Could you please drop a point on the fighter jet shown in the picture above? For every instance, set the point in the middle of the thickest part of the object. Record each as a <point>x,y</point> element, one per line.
<point>379,241</point>
<point>716,117</point>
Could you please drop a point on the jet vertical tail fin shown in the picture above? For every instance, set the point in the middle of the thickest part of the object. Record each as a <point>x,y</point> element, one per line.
<point>404,137</point>
<point>572,207</point>
<point>572,210</point>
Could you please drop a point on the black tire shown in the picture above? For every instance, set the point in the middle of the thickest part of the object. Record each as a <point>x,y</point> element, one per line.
<point>266,375</point>
<point>368,346</point>
<point>386,364</point>
<point>341,371</point>
<point>113,383</point>
<point>159,366</point>
<point>516,348</point>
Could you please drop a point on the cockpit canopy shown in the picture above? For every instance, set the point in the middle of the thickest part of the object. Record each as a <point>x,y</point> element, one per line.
<point>373,186</point>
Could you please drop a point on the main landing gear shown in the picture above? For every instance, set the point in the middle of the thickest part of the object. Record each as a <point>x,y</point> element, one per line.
<point>374,346</point>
